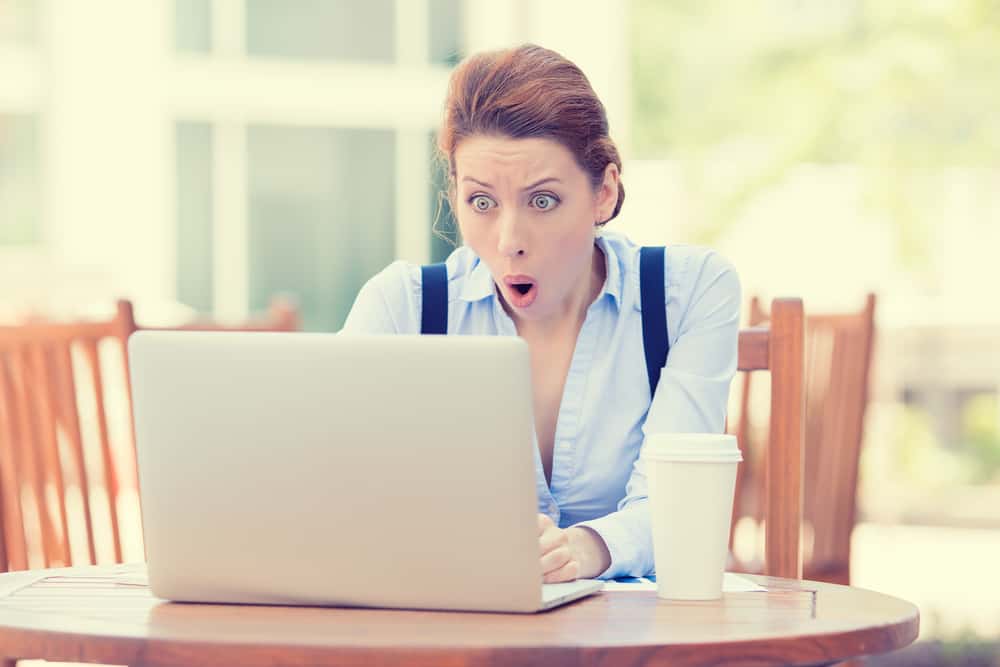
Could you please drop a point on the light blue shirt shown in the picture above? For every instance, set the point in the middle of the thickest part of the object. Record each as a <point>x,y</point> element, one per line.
<point>598,479</point>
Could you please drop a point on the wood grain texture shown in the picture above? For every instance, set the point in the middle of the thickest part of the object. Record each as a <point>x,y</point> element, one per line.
<point>783,476</point>
<point>754,347</point>
<point>838,359</point>
<point>41,437</point>
<point>12,547</point>
<point>778,348</point>
<point>88,614</point>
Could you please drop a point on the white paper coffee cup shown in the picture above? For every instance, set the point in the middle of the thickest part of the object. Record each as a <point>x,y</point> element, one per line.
<point>692,478</point>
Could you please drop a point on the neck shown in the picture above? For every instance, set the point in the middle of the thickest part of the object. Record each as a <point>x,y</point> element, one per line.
<point>568,319</point>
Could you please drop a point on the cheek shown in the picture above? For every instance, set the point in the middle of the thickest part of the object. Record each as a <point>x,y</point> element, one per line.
<point>571,250</point>
<point>576,238</point>
<point>575,220</point>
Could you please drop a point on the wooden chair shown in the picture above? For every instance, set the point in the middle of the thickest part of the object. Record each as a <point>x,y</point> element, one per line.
<point>63,465</point>
<point>778,348</point>
<point>58,468</point>
<point>67,456</point>
<point>837,365</point>
<point>66,438</point>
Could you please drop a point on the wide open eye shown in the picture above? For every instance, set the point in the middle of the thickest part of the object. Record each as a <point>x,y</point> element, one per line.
<point>544,202</point>
<point>482,203</point>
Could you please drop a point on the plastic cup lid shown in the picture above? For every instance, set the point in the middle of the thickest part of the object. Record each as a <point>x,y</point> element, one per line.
<point>691,447</point>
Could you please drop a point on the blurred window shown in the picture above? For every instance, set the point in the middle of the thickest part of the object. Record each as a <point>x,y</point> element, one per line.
<point>349,30</point>
<point>19,22</point>
<point>321,216</point>
<point>20,187</point>
<point>193,26</point>
<point>445,31</point>
<point>195,238</point>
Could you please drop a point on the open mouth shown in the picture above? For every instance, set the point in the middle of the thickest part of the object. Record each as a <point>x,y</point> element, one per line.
<point>521,290</point>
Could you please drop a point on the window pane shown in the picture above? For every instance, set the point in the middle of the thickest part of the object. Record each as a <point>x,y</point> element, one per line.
<point>193,26</point>
<point>20,190</point>
<point>322,210</point>
<point>19,22</point>
<point>445,31</point>
<point>194,215</point>
<point>357,30</point>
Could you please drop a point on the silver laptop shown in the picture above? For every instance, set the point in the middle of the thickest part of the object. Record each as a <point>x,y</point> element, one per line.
<point>321,469</point>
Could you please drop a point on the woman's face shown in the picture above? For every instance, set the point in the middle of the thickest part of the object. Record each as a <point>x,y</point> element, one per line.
<point>528,210</point>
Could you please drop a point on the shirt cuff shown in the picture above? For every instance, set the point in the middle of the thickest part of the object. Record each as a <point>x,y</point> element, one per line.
<point>630,543</point>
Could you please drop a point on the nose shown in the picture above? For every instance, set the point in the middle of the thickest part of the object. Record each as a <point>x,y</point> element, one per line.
<point>511,241</point>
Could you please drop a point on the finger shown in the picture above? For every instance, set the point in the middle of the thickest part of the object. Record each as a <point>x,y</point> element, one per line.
<point>552,539</point>
<point>544,523</point>
<point>556,559</point>
<point>568,572</point>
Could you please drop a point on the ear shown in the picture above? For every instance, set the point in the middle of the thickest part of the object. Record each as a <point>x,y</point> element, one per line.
<point>607,194</point>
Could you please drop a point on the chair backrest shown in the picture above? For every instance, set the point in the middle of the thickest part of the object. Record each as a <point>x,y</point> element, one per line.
<point>68,482</point>
<point>778,348</point>
<point>63,464</point>
<point>838,353</point>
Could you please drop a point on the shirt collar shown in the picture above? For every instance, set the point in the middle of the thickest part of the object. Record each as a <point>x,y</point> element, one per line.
<point>613,279</point>
<point>479,284</point>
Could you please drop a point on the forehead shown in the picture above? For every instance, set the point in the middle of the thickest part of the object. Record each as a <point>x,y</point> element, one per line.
<point>481,156</point>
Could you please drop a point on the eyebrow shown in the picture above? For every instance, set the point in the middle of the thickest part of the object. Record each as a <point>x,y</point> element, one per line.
<point>529,187</point>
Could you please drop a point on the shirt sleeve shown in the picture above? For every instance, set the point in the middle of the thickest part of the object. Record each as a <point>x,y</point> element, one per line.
<point>387,303</point>
<point>691,397</point>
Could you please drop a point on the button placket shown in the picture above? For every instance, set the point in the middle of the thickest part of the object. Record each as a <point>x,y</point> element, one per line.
<point>568,420</point>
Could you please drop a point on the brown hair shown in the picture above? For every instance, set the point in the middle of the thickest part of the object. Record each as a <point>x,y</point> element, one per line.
<point>526,92</point>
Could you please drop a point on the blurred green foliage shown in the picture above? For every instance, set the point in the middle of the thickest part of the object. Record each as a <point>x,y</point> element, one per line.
<point>740,93</point>
<point>919,458</point>
<point>981,437</point>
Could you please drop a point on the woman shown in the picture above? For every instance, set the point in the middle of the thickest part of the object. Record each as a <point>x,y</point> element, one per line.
<point>534,177</point>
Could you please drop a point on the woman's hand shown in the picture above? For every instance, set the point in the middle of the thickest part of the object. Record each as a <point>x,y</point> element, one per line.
<point>569,554</point>
<point>559,563</point>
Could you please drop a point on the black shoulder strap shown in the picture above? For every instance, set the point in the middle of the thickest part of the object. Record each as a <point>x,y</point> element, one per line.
<point>655,341</point>
<point>434,288</point>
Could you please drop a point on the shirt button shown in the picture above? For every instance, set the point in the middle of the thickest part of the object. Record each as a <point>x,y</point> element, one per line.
<point>552,508</point>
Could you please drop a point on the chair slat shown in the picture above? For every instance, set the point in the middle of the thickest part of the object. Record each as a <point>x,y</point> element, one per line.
<point>111,485</point>
<point>754,349</point>
<point>15,553</point>
<point>54,489</point>
<point>783,497</point>
<point>29,452</point>
<point>33,333</point>
<point>69,418</point>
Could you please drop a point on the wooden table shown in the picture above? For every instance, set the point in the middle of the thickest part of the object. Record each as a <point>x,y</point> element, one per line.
<point>91,614</point>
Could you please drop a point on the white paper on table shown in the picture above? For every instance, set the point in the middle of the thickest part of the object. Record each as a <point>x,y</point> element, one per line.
<point>734,583</point>
<point>731,583</point>
<point>132,579</point>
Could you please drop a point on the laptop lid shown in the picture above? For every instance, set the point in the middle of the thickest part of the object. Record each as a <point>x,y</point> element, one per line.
<point>292,468</point>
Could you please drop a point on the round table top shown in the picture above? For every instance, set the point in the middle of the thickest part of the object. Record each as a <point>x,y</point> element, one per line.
<point>104,614</point>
